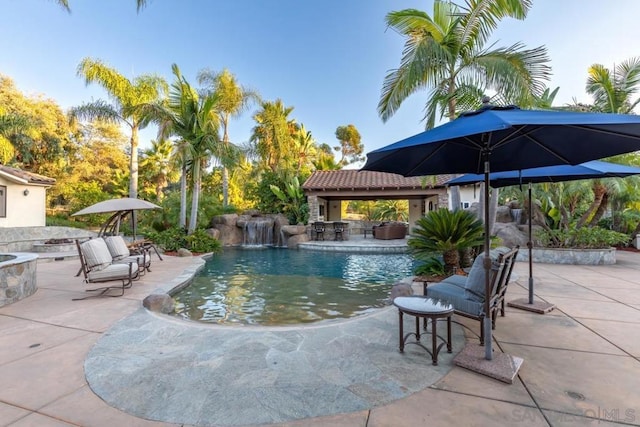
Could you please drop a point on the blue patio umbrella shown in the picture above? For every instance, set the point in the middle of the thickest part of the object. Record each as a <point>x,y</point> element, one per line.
<point>557,173</point>
<point>507,138</point>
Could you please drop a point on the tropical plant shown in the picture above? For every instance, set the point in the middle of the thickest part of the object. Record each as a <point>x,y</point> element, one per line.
<point>446,232</point>
<point>581,238</point>
<point>429,265</point>
<point>233,100</point>
<point>158,166</point>
<point>293,201</point>
<point>272,137</point>
<point>613,91</point>
<point>391,210</point>
<point>446,54</point>
<point>127,95</point>
<point>194,121</point>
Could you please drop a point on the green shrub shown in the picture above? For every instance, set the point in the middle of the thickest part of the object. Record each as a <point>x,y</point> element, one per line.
<point>170,239</point>
<point>446,232</point>
<point>430,266</point>
<point>201,241</point>
<point>581,238</point>
<point>175,238</point>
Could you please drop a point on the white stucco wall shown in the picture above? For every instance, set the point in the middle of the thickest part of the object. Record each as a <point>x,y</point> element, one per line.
<point>24,211</point>
<point>467,195</point>
<point>334,213</point>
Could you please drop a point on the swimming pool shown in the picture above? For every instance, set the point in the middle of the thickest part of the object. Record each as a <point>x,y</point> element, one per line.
<point>284,286</point>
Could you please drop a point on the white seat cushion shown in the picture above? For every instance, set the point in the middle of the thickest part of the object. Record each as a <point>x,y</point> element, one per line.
<point>112,272</point>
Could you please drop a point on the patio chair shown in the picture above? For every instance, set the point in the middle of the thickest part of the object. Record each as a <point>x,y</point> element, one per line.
<point>467,293</point>
<point>338,230</point>
<point>97,266</point>
<point>318,228</point>
<point>121,253</point>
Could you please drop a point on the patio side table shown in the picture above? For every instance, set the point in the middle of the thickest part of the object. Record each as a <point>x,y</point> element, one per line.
<point>428,309</point>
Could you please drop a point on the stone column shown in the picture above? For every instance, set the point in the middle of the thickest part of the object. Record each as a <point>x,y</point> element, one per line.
<point>314,212</point>
<point>443,200</point>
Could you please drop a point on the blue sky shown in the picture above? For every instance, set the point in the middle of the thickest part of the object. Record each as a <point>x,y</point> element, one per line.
<point>325,58</point>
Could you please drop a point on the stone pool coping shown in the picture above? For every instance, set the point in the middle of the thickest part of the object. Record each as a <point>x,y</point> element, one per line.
<point>188,373</point>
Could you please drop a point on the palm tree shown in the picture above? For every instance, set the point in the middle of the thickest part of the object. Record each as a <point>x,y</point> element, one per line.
<point>158,162</point>
<point>448,233</point>
<point>305,148</point>
<point>194,121</point>
<point>234,99</point>
<point>272,137</point>
<point>126,96</point>
<point>446,54</point>
<point>612,91</point>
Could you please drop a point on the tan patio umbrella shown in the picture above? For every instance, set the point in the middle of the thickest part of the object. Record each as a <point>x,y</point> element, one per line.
<point>121,208</point>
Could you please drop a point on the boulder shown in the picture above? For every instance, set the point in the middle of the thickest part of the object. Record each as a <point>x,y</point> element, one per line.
<point>293,230</point>
<point>183,252</point>
<point>160,303</point>
<point>230,235</point>
<point>510,234</point>
<point>503,214</point>
<point>226,219</point>
<point>214,232</point>
<point>293,241</point>
<point>279,221</point>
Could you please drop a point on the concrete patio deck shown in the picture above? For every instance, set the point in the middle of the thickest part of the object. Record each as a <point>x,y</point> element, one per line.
<point>581,361</point>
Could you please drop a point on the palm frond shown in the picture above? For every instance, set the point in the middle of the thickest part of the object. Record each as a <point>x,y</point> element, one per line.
<point>96,110</point>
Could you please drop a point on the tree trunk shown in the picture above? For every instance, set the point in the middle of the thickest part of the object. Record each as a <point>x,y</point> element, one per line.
<point>600,211</point>
<point>225,186</point>
<point>455,197</point>
<point>451,261</point>
<point>133,163</point>
<point>599,191</point>
<point>225,171</point>
<point>195,197</point>
<point>183,197</point>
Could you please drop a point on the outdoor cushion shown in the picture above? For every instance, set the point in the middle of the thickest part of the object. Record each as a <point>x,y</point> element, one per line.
<point>456,279</point>
<point>112,272</point>
<point>143,260</point>
<point>96,254</point>
<point>455,295</point>
<point>117,247</point>
<point>475,284</point>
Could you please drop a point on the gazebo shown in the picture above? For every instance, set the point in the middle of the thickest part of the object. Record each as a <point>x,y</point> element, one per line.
<point>326,190</point>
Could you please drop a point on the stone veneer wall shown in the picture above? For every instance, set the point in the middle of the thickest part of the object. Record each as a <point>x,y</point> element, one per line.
<point>570,256</point>
<point>17,278</point>
<point>21,239</point>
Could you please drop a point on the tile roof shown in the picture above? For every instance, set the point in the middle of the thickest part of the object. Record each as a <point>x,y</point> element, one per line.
<point>30,177</point>
<point>352,179</point>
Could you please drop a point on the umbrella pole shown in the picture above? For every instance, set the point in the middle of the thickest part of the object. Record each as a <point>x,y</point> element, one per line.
<point>529,304</point>
<point>530,246</point>
<point>488,351</point>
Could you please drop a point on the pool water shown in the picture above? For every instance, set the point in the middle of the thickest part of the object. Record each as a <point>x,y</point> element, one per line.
<point>285,286</point>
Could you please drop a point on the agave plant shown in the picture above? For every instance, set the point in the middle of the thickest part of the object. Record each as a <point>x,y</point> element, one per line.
<point>446,232</point>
